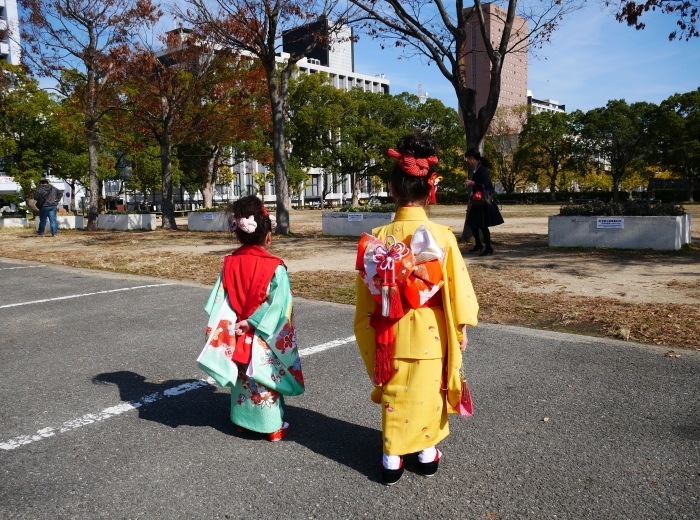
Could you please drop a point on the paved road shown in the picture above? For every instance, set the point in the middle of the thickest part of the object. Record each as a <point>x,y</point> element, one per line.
<point>104,414</point>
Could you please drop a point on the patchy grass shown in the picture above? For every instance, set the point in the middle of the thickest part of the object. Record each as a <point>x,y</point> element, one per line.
<point>657,323</point>
<point>328,286</point>
<point>197,257</point>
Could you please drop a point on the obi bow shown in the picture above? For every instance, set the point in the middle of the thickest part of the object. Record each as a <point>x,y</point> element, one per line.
<point>398,276</point>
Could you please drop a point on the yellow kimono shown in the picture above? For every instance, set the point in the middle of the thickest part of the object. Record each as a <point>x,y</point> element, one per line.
<point>426,352</point>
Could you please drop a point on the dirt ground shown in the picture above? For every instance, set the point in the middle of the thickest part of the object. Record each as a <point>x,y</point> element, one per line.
<point>522,243</point>
<point>642,295</point>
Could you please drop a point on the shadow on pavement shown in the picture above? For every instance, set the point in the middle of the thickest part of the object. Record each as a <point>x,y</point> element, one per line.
<point>352,445</point>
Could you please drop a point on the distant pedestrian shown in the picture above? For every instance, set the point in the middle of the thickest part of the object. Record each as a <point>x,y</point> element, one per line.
<point>482,212</point>
<point>414,302</point>
<point>251,340</point>
<point>47,197</point>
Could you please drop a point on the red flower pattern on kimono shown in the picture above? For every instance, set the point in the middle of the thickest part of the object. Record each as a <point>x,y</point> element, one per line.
<point>286,339</point>
<point>295,370</point>
<point>223,335</point>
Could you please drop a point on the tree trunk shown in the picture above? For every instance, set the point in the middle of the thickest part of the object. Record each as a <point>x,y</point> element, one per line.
<point>71,204</point>
<point>101,205</point>
<point>616,188</point>
<point>466,98</point>
<point>95,188</point>
<point>166,169</point>
<point>355,179</point>
<point>279,153</point>
<point>553,188</point>
<point>691,187</point>
<point>208,188</point>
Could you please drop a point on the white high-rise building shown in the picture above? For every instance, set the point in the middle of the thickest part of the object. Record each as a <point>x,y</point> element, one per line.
<point>9,26</point>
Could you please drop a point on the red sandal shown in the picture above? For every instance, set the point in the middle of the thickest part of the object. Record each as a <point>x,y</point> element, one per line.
<point>279,434</point>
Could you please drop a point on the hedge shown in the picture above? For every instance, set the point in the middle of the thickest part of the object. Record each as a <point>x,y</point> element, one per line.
<point>635,208</point>
<point>380,208</point>
<point>560,197</point>
<point>675,195</point>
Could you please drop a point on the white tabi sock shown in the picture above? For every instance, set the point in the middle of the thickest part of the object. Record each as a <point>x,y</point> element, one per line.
<point>391,461</point>
<point>427,455</point>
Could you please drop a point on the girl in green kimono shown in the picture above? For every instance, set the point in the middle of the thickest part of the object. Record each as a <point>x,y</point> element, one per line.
<point>251,341</point>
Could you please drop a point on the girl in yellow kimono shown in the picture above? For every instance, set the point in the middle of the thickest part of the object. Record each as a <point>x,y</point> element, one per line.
<point>414,302</point>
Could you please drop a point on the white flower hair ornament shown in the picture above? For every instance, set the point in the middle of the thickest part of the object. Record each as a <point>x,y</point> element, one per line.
<point>247,225</point>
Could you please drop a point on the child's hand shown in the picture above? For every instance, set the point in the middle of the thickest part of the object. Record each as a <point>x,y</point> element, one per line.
<point>465,340</point>
<point>242,327</point>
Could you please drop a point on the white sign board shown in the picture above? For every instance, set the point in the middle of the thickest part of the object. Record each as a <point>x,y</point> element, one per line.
<point>610,223</point>
<point>112,218</point>
<point>354,217</point>
<point>208,216</point>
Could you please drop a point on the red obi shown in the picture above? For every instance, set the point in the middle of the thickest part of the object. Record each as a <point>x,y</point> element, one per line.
<point>415,267</point>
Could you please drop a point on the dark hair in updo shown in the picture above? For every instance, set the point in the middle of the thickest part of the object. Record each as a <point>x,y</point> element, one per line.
<point>474,154</point>
<point>244,208</point>
<point>407,188</point>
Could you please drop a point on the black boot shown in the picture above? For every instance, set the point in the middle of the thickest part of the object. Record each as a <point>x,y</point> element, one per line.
<point>487,251</point>
<point>476,248</point>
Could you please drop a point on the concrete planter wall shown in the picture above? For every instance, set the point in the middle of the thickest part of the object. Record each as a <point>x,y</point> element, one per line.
<point>620,232</point>
<point>353,224</point>
<point>65,222</point>
<point>13,222</point>
<point>207,221</point>
<point>127,222</point>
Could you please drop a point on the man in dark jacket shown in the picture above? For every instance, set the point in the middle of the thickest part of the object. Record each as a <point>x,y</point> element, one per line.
<point>47,197</point>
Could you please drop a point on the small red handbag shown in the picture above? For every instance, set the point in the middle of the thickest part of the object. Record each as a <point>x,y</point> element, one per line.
<point>465,407</point>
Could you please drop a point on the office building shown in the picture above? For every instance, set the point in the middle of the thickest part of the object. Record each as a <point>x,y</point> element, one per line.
<point>9,28</point>
<point>535,106</point>
<point>333,50</point>
<point>478,65</point>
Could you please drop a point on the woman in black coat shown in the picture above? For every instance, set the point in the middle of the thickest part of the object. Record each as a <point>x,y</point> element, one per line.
<point>486,216</point>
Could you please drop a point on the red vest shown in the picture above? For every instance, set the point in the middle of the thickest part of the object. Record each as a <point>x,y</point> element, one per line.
<point>246,276</point>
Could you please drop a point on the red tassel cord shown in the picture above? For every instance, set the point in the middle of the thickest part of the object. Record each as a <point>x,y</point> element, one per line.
<point>391,301</point>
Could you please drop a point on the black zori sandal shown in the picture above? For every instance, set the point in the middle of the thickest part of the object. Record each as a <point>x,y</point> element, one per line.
<point>392,476</point>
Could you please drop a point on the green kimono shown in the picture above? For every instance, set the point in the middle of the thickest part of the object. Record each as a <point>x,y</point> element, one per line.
<point>274,370</point>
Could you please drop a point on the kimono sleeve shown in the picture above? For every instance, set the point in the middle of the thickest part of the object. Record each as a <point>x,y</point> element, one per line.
<point>463,299</point>
<point>272,313</point>
<point>364,334</point>
<point>216,297</point>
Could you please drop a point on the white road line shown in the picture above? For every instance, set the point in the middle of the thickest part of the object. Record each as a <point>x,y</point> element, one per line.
<point>126,406</point>
<point>23,267</point>
<point>90,418</point>
<point>325,346</point>
<point>81,295</point>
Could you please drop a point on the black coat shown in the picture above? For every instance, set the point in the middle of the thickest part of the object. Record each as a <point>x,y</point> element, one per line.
<point>479,217</point>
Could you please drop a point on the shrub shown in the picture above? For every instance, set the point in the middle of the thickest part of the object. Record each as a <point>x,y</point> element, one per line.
<point>665,195</point>
<point>629,209</point>
<point>380,208</point>
<point>221,207</point>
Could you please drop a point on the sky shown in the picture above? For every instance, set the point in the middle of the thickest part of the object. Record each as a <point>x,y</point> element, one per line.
<point>592,59</point>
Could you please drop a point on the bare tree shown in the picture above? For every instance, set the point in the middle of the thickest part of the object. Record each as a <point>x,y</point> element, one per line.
<point>437,32</point>
<point>185,93</point>
<point>256,27</point>
<point>86,35</point>
<point>630,12</point>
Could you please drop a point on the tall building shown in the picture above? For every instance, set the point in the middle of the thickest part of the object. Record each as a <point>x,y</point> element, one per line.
<point>334,51</point>
<point>478,65</point>
<point>535,106</point>
<point>9,30</point>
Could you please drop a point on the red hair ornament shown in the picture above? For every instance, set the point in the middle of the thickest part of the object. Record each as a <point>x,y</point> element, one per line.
<point>417,167</point>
